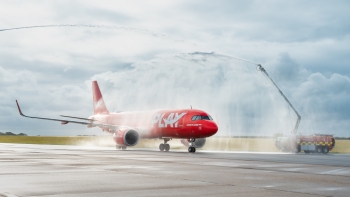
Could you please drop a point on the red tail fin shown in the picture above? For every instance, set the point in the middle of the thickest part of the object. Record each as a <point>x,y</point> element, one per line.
<point>99,104</point>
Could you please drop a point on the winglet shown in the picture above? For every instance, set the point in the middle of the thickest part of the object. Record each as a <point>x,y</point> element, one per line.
<point>19,109</point>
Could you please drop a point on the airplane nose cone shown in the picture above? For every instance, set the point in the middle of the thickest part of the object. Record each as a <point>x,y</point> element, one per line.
<point>212,128</point>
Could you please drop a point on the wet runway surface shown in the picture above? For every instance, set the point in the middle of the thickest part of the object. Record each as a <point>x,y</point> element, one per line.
<point>49,170</point>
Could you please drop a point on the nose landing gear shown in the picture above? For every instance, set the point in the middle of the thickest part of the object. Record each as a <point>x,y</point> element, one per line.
<point>165,147</point>
<point>192,148</point>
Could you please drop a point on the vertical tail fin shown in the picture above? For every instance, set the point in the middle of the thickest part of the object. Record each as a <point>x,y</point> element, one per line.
<point>99,104</point>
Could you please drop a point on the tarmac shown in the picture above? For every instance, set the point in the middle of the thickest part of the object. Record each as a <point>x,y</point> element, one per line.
<point>52,170</point>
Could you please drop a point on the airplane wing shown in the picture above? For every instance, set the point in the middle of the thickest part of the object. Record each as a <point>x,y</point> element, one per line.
<point>77,118</point>
<point>89,124</point>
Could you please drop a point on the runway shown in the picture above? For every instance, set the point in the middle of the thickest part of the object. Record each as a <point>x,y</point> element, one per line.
<point>51,170</point>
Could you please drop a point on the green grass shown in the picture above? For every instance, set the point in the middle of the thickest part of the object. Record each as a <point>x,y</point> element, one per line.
<point>46,140</point>
<point>226,144</point>
<point>341,146</point>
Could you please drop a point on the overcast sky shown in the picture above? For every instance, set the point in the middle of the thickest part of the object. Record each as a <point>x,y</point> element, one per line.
<point>173,54</point>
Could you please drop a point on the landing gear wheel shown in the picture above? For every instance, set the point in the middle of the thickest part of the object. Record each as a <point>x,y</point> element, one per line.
<point>118,147</point>
<point>166,147</point>
<point>325,150</point>
<point>123,147</point>
<point>161,147</point>
<point>191,149</point>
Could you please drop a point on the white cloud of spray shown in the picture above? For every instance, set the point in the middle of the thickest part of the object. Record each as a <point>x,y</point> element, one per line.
<point>233,92</point>
<point>238,97</point>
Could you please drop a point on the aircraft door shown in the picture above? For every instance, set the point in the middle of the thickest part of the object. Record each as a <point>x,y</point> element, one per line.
<point>182,121</point>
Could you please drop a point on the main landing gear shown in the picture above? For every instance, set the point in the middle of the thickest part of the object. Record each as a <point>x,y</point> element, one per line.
<point>192,148</point>
<point>165,147</point>
<point>120,147</point>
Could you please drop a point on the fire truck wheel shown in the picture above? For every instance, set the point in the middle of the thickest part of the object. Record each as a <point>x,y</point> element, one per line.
<point>297,149</point>
<point>319,149</point>
<point>325,150</point>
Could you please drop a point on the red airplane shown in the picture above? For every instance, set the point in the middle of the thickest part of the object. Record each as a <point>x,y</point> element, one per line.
<point>190,125</point>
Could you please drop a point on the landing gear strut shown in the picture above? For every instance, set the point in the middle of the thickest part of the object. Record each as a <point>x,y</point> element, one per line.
<point>120,147</point>
<point>192,148</point>
<point>165,147</point>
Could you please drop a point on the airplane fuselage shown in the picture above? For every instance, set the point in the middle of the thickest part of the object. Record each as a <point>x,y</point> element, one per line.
<point>162,123</point>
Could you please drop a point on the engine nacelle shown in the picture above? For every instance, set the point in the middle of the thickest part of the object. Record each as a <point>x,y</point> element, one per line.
<point>198,143</point>
<point>126,137</point>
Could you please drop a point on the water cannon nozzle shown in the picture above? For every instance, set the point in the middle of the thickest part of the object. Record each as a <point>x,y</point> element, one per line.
<point>259,67</point>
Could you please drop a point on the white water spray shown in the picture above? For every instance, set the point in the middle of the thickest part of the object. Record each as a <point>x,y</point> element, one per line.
<point>232,91</point>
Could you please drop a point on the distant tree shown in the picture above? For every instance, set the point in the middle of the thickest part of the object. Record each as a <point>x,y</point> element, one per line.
<point>10,133</point>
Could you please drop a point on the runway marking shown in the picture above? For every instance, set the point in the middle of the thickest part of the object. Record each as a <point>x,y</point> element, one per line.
<point>331,171</point>
<point>7,195</point>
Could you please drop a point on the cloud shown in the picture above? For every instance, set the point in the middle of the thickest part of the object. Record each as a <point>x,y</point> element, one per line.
<point>286,70</point>
<point>275,20</point>
<point>14,77</point>
<point>325,104</point>
<point>326,97</point>
<point>67,69</point>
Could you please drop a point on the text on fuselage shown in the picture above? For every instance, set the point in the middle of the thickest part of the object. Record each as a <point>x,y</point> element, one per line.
<point>171,120</point>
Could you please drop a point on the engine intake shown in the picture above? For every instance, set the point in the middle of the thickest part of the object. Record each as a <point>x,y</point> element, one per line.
<point>126,137</point>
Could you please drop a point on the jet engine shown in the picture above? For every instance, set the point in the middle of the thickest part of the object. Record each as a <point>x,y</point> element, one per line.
<point>126,137</point>
<point>198,143</point>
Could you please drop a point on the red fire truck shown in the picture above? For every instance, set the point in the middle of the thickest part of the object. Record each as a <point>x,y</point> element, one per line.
<point>317,143</point>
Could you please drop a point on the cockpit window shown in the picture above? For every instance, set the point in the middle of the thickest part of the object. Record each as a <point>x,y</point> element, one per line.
<point>194,118</point>
<point>198,117</point>
<point>205,118</point>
